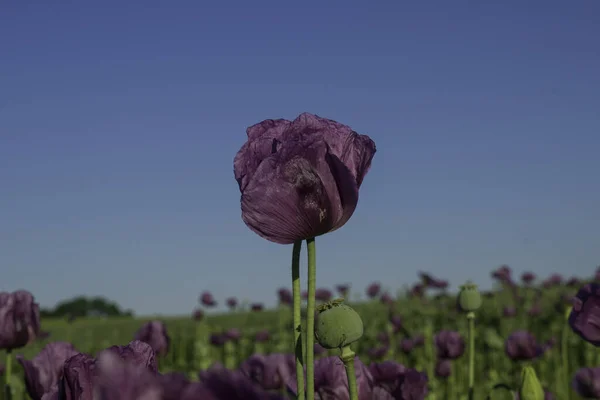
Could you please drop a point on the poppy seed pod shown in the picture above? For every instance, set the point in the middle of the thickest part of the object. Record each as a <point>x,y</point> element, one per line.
<point>338,325</point>
<point>469,298</point>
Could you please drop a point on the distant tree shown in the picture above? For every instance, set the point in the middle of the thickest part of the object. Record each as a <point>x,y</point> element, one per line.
<point>81,306</point>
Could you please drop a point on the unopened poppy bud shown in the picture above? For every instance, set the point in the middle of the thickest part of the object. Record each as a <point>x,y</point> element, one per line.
<point>531,388</point>
<point>338,325</point>
<point>469,298</point>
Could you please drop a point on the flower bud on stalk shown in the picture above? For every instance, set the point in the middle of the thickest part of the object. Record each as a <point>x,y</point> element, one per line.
<point>531,388</point>
<point>338,327</point>
<point>469,301</point>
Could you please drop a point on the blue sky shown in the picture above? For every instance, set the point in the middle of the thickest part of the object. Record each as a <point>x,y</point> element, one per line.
<point>119,122</point>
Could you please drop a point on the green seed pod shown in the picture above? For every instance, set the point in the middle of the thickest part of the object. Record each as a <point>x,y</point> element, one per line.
<point>469,299</point>
<point>531,388</point>
<point>338,325</point>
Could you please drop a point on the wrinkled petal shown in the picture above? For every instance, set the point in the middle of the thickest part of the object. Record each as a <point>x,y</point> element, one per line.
<point>45,369</point>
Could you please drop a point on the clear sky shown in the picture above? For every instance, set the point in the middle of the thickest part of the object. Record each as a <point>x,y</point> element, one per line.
<point>119,121</point>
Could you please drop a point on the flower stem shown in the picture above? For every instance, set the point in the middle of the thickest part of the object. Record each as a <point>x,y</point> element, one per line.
<point>310,319</point>
<point>347,357</point>
<point>471,338</point>
<point>7,374</point>
<point>297,299</point>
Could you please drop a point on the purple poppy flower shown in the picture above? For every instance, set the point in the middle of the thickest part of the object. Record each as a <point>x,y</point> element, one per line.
<point>373,290</point>
<point>256,307</point>
<point>323,294</point>
<point>394,381</point>
<point>285,296</point>
<point>173,385</point>
<point>503,274</point>
<point>429,281</point>
<point>130,369</point>
<point>300,179</point>
<point>419,340</point>
<point>79,374</point>
<point>262,336</point>
<point>343,289</point>
<point>443,368</point>
<point>155,334</point>
<point>417,291</point>
<point>407,345</point>
<point>207,299</point>
<point>509,312</point>
<point>573,282</point>
<point>198,315</point>
<point>383,338</point>
<point>585,315</point>
<point>586,382</point>
<point>378,353</point>
<point>232,302</point>
<point>122,379</point>
<point>450,344</point>
<point>522,346</point>
<point>217,339</point>
<point>535,310</point>
<point>45,369</point>
<point>331,381</point>
<point>396,321</point>
<point>271,371</point>
<point>527,278</point>
<point>19,319</point>
<point>318,350</point>
<point>221,384</point>
<point>233,334</point>
<point>386,299</point>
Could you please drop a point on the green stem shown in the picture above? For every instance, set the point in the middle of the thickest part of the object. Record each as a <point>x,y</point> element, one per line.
<point>564,354</point>
<point>347,357</point>
<point>471,338</point>
<point>7,374</point>
<point>297,296</point>
<point>310,319</point>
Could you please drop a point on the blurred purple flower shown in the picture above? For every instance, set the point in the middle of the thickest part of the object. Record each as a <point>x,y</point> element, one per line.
<point>231,302</point>
<point>45,369</point>
<point>312,167</point>
<point>509,312</point>
<point>373,290</point>
<point>233,334</point>
<point>155,334</point>
<point>271,371</point>
<point>223,384</point>
<point>443,368</point>
<point>552,280</point>
<point>419,340</point>
<point>585,314</point>
<point>257,307</point>
<point>407,345</point>
<point>394,381</point>
<point>331,382</point>
<point>19,319</point>
<point>386,299</point>
<point>323,294</point>
<point>535,310</point>
<point>217,339</point>
<point>383,337</point>
<point>378,353</point>
<point>586,382</point>
<point>173,385</point>
<point>285,296</point>
<point>450,345</point>
<point>343,289</point>
<point>417,291</point>
<point>207,299</point>
<point>503,274</point>
<point>262,336</point>
<point>522,346</point>
<point>198,315</point>
<point>396,321</point>
<point>573,282</point>
<point>527,278</point>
